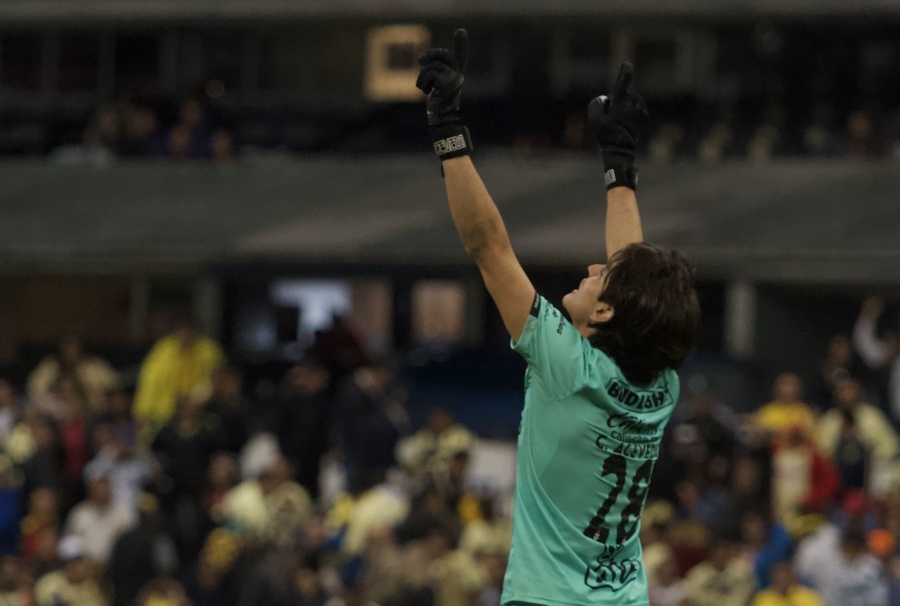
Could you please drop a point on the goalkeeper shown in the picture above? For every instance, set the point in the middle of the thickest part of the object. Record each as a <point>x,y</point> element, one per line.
<point>601,385</point>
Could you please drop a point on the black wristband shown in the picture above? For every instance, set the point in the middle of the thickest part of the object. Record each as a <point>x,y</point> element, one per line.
<point>620,175</point>
<point>451,141</point>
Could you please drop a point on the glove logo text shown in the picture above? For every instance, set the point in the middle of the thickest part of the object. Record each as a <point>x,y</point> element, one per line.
<point>450,144</point>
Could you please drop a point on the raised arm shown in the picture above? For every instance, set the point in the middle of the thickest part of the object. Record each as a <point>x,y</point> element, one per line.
<point>474,213</point>
<point>485,239</point>
<point>623,220</point>
<point>616,120</point>
<point>865,341</point>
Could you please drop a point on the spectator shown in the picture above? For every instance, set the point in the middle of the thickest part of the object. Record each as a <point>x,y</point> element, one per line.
<point>488,532</point>
<point>369,506</point>
<point>74,585</point>
<point>803,480</point>
<point>340,348</point>
<point>185,445</point>
<point>862,139</point>
<point>851,455</point>
<point>854,577</point>
<point>494,567</point>
<point>117,460</point>
<point>431,449</point>
<point>73,429</point>
<point>714,422</point>
<point>722,580</point>
<point>40,528</point>
<point>15,583</point>
<point>271,508</point>
<point>428,510</point>
<point>10,507</point>
<point>786,410</point>
<point>667,588</point>
<point>140,554</point>
<point>93,375</point>
<point>10,409</point>
<point>192,127</point>
<point>104,134</point>
<point>309,590</point>
<point>748,492</point>
<point>785,590</point>
<point>815,551</point>
<point>457,577</point>
<point>655,523</point>
<point>221,478</point>
<point>162,592</point>
<point>883,545</point>
<point>229,404</point>
<point>117,418</point>
<point>179,365</point>
<point>880,355</point>
<point>223,147</point>
<point>303,413</point>
<point>178,144</point>
<point>866,422</point>
<point>371,417</point>
<point>183,448</point>
<point>698,503</point>
<point>38,453</point>
<point>97,521</point>
<point>840,363</point>
<point>765,543</point>
<point>142,138</point>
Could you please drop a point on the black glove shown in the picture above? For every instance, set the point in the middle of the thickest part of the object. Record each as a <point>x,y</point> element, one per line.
<point>441,79</point>
<point>616,122</point>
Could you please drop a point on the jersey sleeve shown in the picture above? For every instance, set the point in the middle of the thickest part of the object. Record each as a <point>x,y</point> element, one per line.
<point>554,350</point>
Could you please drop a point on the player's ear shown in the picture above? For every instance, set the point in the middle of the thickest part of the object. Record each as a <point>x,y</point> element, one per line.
<point>604,312</point>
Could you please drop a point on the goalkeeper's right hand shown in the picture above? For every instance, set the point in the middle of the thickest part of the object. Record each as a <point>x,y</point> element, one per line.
<point>616,121</point>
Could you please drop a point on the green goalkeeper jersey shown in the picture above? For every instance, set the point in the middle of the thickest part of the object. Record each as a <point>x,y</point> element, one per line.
<point>587,444</point>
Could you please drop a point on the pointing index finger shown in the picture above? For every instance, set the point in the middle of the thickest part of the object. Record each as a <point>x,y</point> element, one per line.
<point>623,82</point>
<point>461,48</point>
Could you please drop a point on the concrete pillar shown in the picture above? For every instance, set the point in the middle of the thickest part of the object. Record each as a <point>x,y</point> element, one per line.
<point>49,62</point>
<point>475,302</point>
<point>138,309</point>
<point>740,319</point>
<point>106,65</point>
<point>169,64</point>
<point>208,306</point>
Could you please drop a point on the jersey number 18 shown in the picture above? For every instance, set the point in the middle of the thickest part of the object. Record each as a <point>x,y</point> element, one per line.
<point>616,465</point>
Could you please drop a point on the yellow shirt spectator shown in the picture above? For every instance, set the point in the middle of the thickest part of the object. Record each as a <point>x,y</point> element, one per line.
<point>786,410</point>
<point>795,596</point>
<point>177,365</point>
<point>777,417</point>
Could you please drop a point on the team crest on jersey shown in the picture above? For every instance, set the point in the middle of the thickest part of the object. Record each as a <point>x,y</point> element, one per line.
<point>612,575</point>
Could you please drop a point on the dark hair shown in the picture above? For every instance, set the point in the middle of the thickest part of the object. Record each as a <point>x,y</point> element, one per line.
<point>657,314</point>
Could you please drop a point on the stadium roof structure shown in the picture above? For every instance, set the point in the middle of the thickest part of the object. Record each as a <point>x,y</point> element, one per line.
<point>224,11</point>
<point>809,221</point>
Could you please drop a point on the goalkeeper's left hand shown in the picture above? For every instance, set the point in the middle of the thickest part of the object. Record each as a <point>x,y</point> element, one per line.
<point>616,121</point>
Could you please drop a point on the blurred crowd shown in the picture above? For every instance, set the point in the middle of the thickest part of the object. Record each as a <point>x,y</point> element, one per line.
<point>794,504</point>
<point>715,134</point>
<point>187,488</point>
<point>183,483</point>
<point>223,130</point>
<point>141,130</point>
